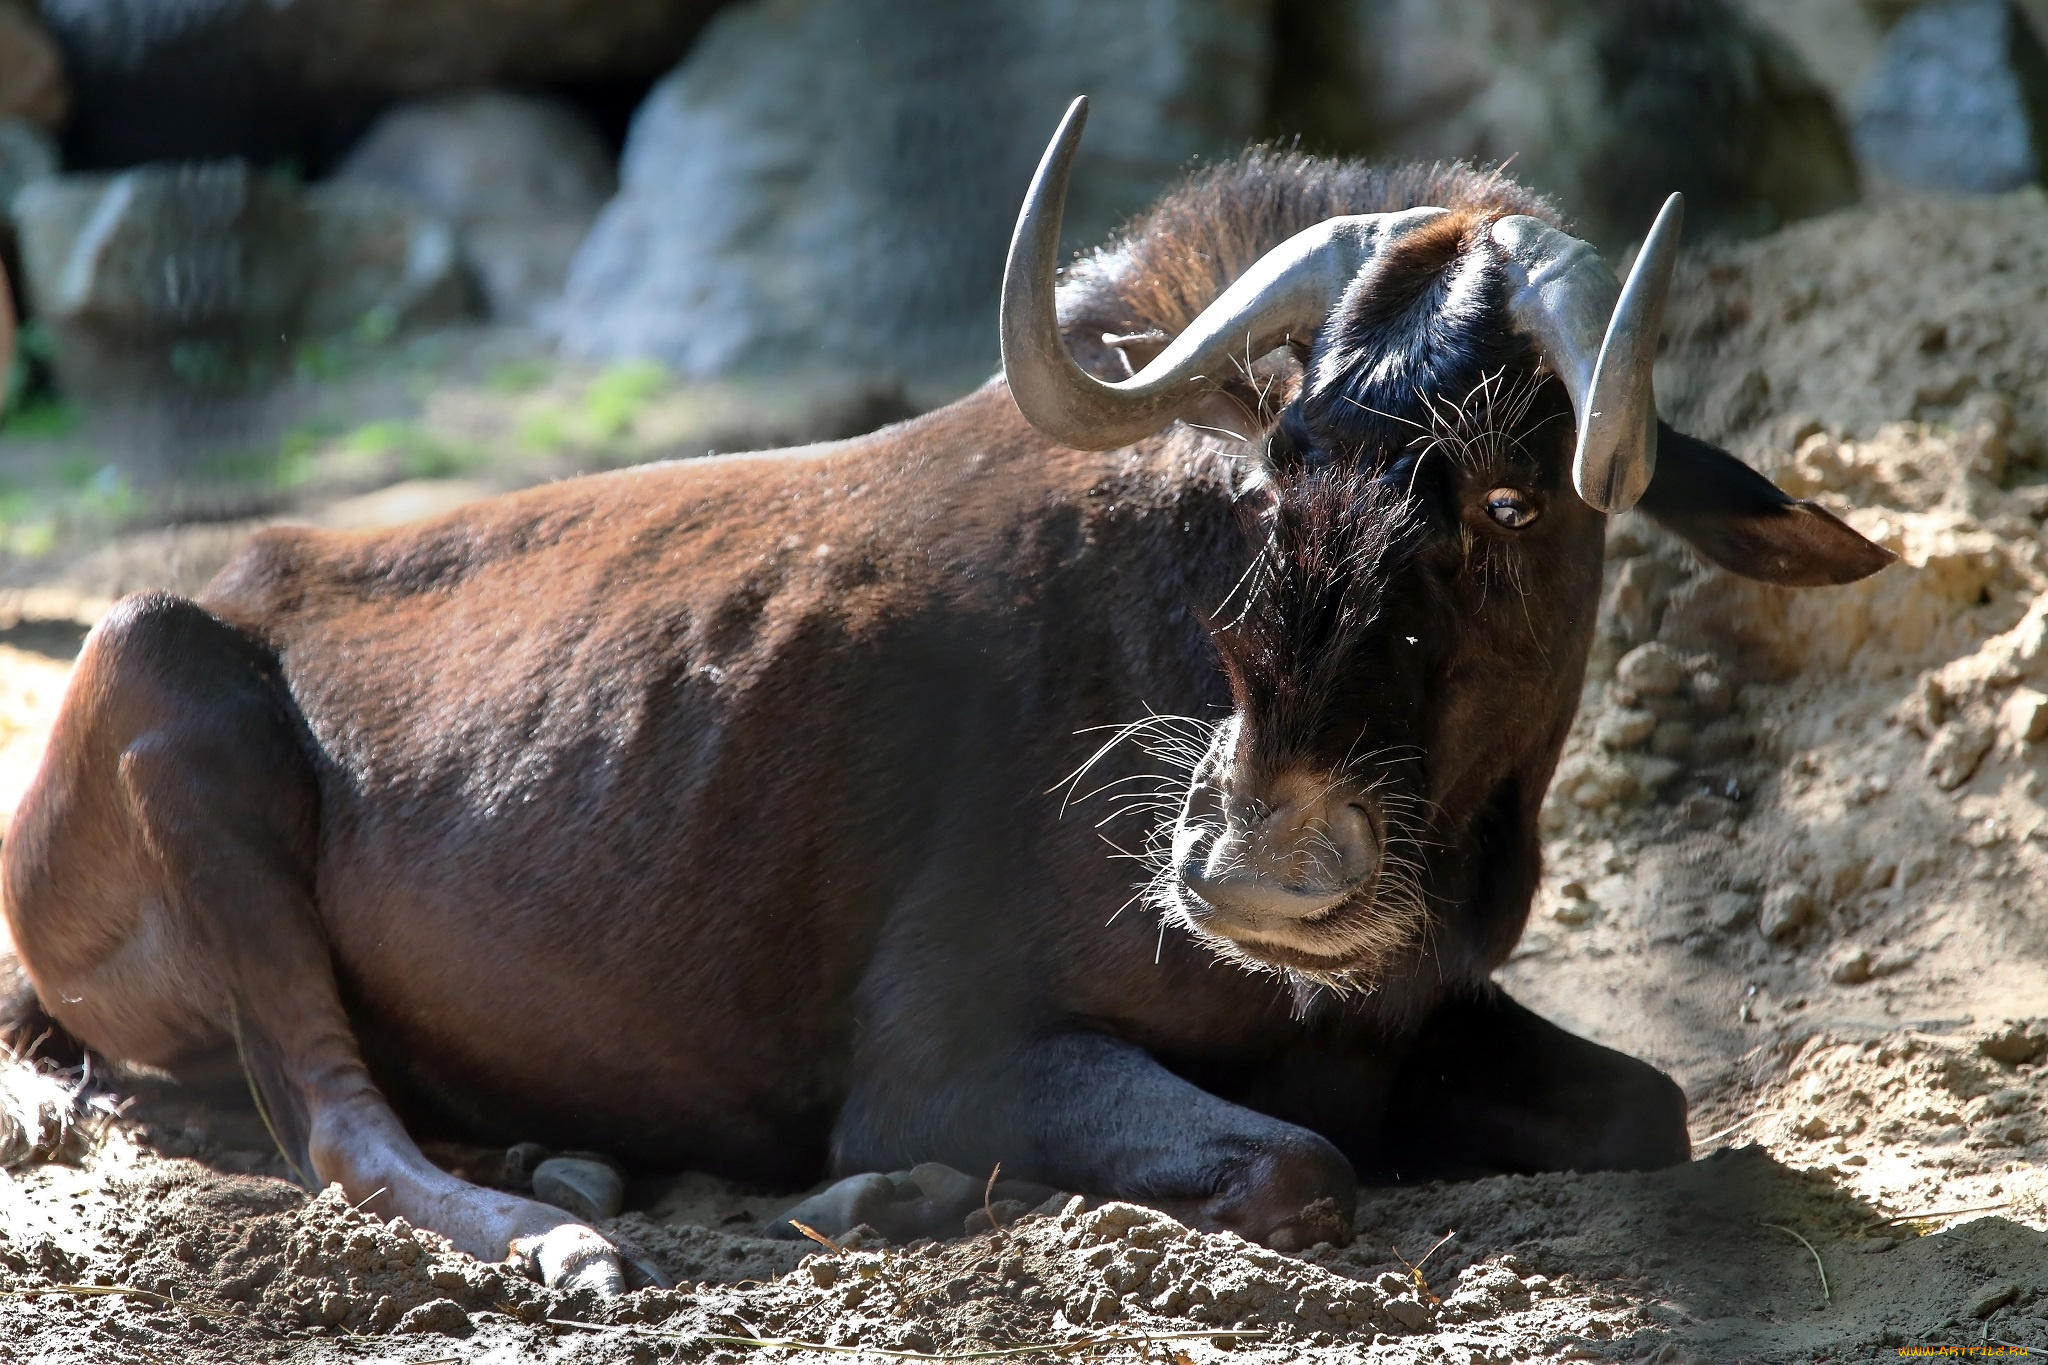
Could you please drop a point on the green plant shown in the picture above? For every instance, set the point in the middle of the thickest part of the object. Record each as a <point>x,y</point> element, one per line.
<point>517,376</point>
<point>615,398</point>
<point>31,539</point>
<point>33,407</point>
<point>45,419</point>
<point>377,326</point>
<point>417,452</point>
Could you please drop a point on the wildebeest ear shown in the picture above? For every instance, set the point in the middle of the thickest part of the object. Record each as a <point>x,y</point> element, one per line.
<point>1740,520</point>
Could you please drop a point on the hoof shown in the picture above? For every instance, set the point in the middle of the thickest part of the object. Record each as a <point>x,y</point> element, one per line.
<point>571,1257</point>
<point>925,1201</point>
<point>1322,1220</point>
<point>1295,1194</point>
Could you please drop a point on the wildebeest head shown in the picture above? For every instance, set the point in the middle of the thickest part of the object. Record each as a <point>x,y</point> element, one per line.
<point>1405,651</point>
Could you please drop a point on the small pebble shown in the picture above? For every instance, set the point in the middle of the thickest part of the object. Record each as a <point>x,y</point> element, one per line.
<point>1627,728</point>
<point>1731,908</point>
<point>436,1315</point>
<point>1572,911</point>
<point>589,1189</point>
<point>1993,1299</point>
<point>520,1159</point>
<point>1672,739</point>
<point>1651,670</point>
<point>1712,695</point>
<point>1786,910</point>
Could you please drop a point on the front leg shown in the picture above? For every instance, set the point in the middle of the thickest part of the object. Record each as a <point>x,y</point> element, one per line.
<point>1087,1112</point>
<point>1487,1087</point>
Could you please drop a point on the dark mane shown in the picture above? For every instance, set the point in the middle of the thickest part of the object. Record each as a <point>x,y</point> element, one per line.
<point>1172,261</point>
<point>1338,534</point>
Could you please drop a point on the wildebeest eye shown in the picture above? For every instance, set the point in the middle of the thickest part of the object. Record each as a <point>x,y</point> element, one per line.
<point>1511,508</point>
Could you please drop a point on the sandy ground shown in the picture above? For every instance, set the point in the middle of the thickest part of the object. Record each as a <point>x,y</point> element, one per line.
<point>1794,857</point>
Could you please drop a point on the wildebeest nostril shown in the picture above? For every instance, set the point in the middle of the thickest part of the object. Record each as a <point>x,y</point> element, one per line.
<point>1292,854</point>
<point>1353,838</point>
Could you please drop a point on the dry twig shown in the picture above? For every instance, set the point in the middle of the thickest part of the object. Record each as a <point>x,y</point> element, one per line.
<point>1415,1271</point>
<point>1931,1214</point>
<point>1825,1292</point>
<point>1744,1120</point>
<point>816,1236</point>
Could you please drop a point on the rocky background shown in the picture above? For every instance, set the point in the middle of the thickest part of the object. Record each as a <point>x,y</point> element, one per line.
<point>210,205</point>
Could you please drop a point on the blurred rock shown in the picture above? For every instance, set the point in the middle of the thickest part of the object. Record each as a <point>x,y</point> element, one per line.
<point>1786,910</point>
<point>1837,40</point>
<point>26,154</point>
<point>32,84</point>
<point>1712,694</point>
<point>1729,909</point>
<point>1651,670</point>
<point>1607,104</point>
<point>1955,751</point>
<point>169,294</point>
<point>377,261</point>
<point>1673,739</point>
<point>181,79</point>
<point>1626,727</point>
<point>862,226</point>
<point>2025,716</point>
<point>165,248</point>
<point>2017,1044</point>
<point>179,290</point>
<point>1958,100</point>
<point>519,179</point>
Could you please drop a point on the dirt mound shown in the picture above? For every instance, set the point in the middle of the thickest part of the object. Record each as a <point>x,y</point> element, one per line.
<point>1917,1121</point>
<point>261,1248</point>
<point>1707,1262</point>
<point>1785,809</point>
<point>1875,315</point>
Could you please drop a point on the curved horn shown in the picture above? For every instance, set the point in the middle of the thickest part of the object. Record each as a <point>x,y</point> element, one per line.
<point>1601,338</point>
<point>1287,293</point>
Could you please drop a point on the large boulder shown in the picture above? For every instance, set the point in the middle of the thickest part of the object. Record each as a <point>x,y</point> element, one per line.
<point>27,154</point>
<point>32,84</point>
<point>177,292</point>
<point>1607,104</point>
<point>518,178</point>
<point>1958,100</point>
<point>378,263</point>
<point>178,79</point>
<point>1837,40</point>
<point>830,185</point>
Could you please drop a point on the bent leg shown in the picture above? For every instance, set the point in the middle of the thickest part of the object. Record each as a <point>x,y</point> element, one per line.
<point>1489,1088</point>
<point>1083,1111</point>
<point>158,882</point>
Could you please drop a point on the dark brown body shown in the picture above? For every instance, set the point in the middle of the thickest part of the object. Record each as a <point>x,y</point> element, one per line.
<point>664,811</point>
<point>629,787</point>
<point>707,813</point>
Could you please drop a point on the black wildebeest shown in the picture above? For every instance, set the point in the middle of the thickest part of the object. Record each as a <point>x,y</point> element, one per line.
<point>697,812</point>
